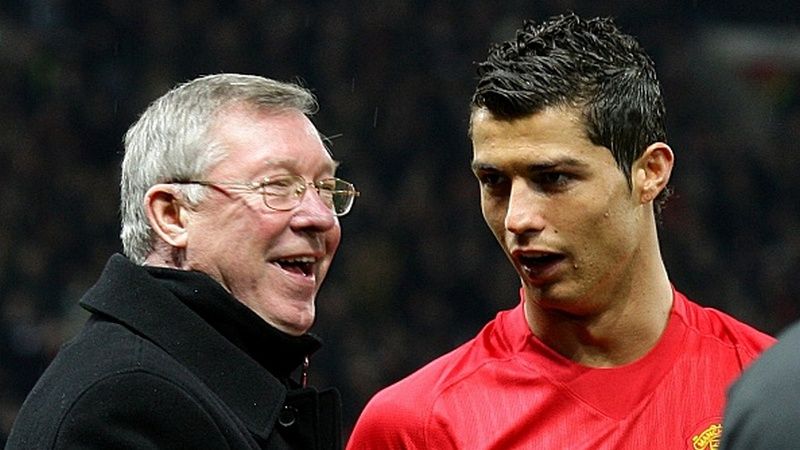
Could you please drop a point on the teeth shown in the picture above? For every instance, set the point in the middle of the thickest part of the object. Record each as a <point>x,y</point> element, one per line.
<point>299,260</point>
<point>535,255</point>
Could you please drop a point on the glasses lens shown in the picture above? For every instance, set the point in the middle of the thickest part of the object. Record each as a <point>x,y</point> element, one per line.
<point>283,192</point>
<point>341,194</point>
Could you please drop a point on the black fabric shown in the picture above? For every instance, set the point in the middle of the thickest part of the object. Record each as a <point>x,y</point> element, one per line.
<point>278,352</point>
<point>148,371</point>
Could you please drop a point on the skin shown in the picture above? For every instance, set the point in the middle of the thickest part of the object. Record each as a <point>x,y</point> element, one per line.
<point>582,240</point>
<point>232,236</point>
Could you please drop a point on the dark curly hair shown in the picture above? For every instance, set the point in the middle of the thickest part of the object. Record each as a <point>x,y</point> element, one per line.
<point>586,64</point>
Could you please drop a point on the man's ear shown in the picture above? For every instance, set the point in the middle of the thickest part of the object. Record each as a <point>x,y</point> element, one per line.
<point>652,170</point>
<point>167,215</point>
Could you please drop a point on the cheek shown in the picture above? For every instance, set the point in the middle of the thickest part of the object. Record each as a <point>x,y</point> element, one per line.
<point>264,229</point>
<point>611,231</point>
<point>494,215</point>
<point>332,239</point>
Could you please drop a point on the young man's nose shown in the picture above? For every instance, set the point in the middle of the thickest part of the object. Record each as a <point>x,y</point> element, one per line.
<point>525,212</point>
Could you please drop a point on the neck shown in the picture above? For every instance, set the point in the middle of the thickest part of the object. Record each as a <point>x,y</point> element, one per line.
<point>165,256</point>
<point>612,324</point>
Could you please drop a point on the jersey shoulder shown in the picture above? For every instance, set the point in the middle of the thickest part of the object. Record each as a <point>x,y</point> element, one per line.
<point>724,328</point>
<point>400,415</point>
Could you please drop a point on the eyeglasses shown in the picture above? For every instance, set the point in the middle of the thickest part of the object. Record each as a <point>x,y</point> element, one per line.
<point>284,192</point>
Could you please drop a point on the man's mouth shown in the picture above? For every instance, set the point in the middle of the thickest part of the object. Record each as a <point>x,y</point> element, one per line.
<point>540,259</point>
<point>303,265</point>
<point>539,264</point>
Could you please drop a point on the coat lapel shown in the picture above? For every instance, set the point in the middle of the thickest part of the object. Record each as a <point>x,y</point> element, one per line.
<point>128,294</point>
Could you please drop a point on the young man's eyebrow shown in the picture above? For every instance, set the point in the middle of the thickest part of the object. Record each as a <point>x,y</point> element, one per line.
<point>479,166</point>
<point>567,162</point>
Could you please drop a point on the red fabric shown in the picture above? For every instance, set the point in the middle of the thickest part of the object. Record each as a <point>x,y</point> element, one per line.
<point>506,390</point>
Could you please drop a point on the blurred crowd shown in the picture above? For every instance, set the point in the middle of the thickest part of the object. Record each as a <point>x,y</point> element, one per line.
<point>418,272</point>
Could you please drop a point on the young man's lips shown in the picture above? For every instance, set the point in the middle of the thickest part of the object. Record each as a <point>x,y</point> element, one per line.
<point>538,264</point>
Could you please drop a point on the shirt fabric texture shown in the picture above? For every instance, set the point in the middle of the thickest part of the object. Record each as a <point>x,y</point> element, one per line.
<point>169,359</point>
<point>506,390</point>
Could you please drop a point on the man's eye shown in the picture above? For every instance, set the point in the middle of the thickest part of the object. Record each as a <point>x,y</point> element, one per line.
<point>490,180</point>
<point>553,180</point>
<point>554,177</point>
<point>282,187</point>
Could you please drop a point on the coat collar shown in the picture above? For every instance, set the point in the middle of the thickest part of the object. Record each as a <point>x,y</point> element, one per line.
<point>278,352</point>
<point>129,294</point>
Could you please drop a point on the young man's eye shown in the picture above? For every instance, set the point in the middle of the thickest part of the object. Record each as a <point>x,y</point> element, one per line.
<point>553,180</point>
<point>555,177</point>
<point>490,179</point>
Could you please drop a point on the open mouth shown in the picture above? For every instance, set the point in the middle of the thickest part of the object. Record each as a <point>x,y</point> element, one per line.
<point>540,260</point>
<point>539,264</point>
<point>302,266</point>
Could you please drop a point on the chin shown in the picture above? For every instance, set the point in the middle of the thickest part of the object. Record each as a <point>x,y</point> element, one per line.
<point>299,326</point>
<point>294,329</point>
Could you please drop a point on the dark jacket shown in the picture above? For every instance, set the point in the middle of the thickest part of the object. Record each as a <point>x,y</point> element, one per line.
<point>169,360</point>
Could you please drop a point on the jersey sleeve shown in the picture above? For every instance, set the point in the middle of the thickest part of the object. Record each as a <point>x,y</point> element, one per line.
<point>393,419</point>
<point>754,342</point>
<point>383,425</point>
<point>749,342</point>
<point>138,410</point>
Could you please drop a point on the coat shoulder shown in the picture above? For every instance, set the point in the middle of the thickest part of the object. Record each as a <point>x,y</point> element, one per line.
<point>112,387</point>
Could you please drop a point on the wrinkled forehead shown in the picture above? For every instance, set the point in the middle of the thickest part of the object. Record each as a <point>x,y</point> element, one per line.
<point>263,142</point>
<point>295,165</point>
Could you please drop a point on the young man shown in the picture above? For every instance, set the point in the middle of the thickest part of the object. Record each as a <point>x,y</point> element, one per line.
<point>229,223</point>
<point>602,352</point>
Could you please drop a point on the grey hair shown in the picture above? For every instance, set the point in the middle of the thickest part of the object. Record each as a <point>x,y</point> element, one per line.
<point>171,141</point>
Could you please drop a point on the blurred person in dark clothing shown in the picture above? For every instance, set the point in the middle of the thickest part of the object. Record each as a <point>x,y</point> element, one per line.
<point>602,352</point>
<point>198,336</point>
<point>763,409</point>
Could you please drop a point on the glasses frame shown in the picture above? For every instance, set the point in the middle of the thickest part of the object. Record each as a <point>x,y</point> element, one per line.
<point>302,187</point>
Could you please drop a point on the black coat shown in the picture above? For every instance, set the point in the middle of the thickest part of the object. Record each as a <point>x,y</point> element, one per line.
<point>147,371</point>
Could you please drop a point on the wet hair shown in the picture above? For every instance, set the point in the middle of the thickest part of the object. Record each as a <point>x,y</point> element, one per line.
<point>587,65</point>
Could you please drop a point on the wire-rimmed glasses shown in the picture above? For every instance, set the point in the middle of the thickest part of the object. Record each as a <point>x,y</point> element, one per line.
<point>285,192</point>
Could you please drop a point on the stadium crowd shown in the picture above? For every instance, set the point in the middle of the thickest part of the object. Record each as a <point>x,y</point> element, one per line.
<point>417,271</point>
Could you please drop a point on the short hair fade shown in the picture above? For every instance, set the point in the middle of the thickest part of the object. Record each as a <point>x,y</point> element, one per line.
<point>585,64</point>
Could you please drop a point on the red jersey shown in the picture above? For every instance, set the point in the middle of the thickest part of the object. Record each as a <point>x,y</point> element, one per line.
<point>505,390</point>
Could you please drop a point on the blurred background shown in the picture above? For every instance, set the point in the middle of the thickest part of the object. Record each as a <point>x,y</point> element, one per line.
<point>418,272</point>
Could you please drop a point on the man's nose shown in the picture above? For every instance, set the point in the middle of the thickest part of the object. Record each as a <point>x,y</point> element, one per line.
<point>525,211</point>
<point>314,211</point>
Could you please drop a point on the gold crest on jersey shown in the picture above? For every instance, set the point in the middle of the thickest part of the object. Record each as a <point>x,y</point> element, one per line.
<point>708,439</point>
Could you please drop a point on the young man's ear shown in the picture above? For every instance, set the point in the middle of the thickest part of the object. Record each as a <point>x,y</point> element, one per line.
<point>167,214</point>
<point>652,170</point>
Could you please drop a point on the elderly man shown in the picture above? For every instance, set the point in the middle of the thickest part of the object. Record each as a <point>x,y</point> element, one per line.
<point>198,336</point>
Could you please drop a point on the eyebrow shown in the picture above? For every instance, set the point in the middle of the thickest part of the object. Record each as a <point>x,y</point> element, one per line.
<point>290,162</point>
<point>568,162</point>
